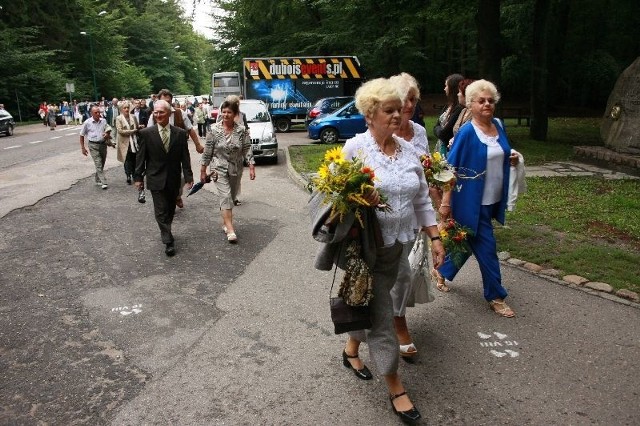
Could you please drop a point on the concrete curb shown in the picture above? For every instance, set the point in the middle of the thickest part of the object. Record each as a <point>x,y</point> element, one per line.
<point>604,290</point>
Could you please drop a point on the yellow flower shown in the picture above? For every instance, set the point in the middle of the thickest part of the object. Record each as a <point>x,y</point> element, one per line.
<point>437,156</point>
<point>323,171</point>
<point>334,155</point>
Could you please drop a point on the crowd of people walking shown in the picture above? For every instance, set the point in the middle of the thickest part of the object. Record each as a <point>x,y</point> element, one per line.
<point>469,137</point>
<point>152,143</point>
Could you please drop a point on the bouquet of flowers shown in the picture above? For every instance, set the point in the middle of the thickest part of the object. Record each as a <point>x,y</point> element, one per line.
<point>438,172</point>
<point>454,238</point>
<point>345,184</point>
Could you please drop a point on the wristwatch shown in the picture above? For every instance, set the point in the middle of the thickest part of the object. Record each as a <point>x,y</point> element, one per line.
<point>437,237</point>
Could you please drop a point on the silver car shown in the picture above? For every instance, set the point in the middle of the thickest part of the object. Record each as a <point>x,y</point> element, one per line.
<point>263,136</point>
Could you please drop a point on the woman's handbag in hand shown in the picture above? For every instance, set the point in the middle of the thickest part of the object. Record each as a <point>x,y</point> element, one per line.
<point>420,272</point>
<point>350,310</point>
<point>348,318</point>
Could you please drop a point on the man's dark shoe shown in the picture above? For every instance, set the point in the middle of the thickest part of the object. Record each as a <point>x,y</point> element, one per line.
<point>141,197</point>
<point>170,250</point>
<point>128,179</point>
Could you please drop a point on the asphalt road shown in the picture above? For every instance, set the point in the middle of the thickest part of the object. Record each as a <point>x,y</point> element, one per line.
<point>98,326</point>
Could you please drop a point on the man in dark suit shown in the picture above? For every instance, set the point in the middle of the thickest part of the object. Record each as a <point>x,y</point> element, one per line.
<point>163,154</point>
<point>111,113</point>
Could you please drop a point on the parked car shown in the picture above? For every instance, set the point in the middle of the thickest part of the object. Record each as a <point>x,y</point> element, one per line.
<point>263,136</point>
<point>59,118</point>
<point>341,124</point>
<point>325,106</point>
<point>7,123</point>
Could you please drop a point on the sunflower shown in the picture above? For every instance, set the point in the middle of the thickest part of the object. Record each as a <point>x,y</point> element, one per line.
<point>334,155</point>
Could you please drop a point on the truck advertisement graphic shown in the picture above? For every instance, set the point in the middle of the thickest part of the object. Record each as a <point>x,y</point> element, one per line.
<point>290,86</point>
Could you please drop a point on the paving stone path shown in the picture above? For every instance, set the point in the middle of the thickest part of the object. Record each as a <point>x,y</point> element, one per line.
<point>570,168</point>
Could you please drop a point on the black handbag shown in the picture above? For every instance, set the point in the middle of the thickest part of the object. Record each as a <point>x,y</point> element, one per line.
<point>348,318</point>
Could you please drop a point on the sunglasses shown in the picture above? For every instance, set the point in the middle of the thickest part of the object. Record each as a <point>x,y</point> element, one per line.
<point>482,101</point>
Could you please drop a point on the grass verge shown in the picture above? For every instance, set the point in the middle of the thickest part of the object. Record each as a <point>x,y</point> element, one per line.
<point>579,225</point>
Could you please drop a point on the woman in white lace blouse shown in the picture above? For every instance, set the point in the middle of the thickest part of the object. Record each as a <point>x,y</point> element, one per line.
<point>416,136</point>
<point>401,179</point>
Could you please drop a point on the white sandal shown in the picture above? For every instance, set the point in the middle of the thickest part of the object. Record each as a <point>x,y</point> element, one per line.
<point>408,350</point>
<point>232,237</point>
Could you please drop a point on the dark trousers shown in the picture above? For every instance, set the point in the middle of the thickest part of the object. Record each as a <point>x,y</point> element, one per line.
<point>202,129</point>
<point>130,162</point>
<point>164,208</point>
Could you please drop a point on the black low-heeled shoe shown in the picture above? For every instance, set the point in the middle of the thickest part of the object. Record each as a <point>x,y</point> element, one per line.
<point>410,416</point>
<point>363,373</point>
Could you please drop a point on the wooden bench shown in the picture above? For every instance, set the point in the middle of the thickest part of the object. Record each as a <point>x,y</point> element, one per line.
<point>519,113</point>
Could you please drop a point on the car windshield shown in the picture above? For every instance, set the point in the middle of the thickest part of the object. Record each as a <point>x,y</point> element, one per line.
<point>256,113</point>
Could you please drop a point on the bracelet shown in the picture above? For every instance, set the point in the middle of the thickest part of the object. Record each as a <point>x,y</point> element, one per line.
<point>437,237</point>
<point>445,205</point>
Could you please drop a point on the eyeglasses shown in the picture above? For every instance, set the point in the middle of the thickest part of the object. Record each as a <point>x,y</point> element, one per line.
<point>481,101</point>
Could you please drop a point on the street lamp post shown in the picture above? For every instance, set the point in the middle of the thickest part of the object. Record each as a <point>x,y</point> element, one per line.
<point>93,61</point>
<point>93,65</point>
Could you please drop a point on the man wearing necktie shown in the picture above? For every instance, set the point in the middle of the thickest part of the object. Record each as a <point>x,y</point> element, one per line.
<point>163,154</point>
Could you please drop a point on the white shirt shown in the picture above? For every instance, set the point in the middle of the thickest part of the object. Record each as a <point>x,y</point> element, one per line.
<point>94,130</point>
<point>401,180</point>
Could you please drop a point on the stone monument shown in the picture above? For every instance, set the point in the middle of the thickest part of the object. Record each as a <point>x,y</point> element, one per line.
<point>620,128</point>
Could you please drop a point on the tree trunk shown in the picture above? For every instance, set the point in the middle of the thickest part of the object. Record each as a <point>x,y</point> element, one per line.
<point>489,44</point>
<point>540,71</point>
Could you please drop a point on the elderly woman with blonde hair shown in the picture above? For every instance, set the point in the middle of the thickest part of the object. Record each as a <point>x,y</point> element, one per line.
<point>482,147</point>
<point>416,136</point>
<point>401,180</point>
<point>126,139</point>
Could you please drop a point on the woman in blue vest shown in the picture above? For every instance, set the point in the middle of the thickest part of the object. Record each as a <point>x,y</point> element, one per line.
<point>480,149</point>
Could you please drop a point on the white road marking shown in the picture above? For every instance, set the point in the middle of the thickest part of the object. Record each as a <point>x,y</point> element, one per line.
<point>55,137</point>
<point>485,343</point>
<point>125,310</point>
<point>13,147</point>
<point>34,142</point>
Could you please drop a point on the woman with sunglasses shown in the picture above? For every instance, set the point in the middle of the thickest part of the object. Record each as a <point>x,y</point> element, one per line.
<point>480,149</point>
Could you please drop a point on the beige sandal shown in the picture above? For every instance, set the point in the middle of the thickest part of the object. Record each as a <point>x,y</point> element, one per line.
<point>438,279</point>
<point>501,308</point>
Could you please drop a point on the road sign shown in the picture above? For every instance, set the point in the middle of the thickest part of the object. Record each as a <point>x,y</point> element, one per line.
<point>70,87</point>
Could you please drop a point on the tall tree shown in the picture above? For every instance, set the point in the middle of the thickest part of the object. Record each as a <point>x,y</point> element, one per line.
<point>539,71</point>
<point>489,41</point>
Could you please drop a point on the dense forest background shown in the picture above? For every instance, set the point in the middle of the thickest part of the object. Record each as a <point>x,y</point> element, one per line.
<point>546,54</point>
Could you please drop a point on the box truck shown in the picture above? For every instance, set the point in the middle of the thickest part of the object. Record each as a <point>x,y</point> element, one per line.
<point>290,86</point>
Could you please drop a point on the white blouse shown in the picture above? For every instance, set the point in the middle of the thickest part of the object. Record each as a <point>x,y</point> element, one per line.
<point>401,180</point>
<point>419,141</point>
<point>492,192</point>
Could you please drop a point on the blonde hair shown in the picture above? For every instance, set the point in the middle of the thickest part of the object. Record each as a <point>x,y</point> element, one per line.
<point>371,94</point>
<point>124,104</point>
<point>478,86</point>
<point>234,99</point>
<point>406,84</point>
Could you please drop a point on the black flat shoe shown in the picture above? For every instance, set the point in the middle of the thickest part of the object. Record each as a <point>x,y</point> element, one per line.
<point>410,416</point>
<point>363,373</point>
<point>170,250</point>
